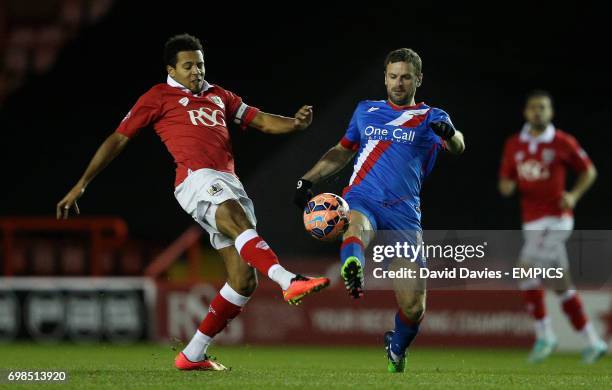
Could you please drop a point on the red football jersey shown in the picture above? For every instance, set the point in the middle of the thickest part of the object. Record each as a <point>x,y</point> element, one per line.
<point>193,127</point>
<point>538,165</point>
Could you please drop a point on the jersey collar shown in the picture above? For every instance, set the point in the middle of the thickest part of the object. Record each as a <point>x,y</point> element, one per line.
<point>545,137</point>
<point>175,84</point>
<point>407,107</point>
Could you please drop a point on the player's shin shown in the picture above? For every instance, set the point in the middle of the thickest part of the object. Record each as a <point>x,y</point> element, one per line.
<point>223,308</point>
<point>546,341</point>
<point>406,330</point>
<point>572,306</point>
<point>255,251</point>
<point>533,296</point>
<point>352,247</point>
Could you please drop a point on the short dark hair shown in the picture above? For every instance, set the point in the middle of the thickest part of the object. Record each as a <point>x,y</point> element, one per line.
<point>181,42</point>
<point>538,93</point>
<point>406,55</point>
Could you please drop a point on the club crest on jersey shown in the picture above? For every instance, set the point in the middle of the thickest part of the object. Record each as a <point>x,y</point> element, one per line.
<point>215,189</point>
<point>217,100</point>
<point>184,101</point>
<point>548,155</point>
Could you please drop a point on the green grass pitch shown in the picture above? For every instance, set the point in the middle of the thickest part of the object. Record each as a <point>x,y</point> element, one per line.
<point>150,366</point>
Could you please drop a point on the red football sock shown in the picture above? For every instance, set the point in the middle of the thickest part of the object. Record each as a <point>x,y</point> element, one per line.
<point>225,306</point>
<point>221,311</point>
<point>534,299</point>
<point>572,306</point>
<point>255,251</point>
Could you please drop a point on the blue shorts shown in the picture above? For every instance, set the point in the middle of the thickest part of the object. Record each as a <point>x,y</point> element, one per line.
<point>400,220</point>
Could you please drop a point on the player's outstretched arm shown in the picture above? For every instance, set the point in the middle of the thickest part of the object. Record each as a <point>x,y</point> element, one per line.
<point>276,124</point>
<point>331,163</point>
<point>109,149</point>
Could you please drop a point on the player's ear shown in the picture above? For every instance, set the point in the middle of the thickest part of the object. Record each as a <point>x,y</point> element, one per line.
<point>171,71</point>
<point>385,76</point>
<point>419,80</point>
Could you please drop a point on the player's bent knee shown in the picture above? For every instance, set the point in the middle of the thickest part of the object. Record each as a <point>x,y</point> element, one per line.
<point>249,286</point>
<point>358,231</point>
<point>244,285</point>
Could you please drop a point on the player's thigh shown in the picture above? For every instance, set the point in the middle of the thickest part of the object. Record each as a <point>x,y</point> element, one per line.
<point>360,227</point>
<point>561,261</point>
<point>240,276</point>
<point>231,219</point>
<point>410,293</point>
<point>560,285</point>
<point>545,249</point>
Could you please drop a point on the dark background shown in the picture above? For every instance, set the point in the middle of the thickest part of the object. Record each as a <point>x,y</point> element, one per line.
<point>478,64</point>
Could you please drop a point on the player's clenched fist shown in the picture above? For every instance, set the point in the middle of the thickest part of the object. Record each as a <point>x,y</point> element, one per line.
<point>444,130</point>
<point>303,118</point>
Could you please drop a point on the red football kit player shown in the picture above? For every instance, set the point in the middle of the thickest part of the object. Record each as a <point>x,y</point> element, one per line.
<point>535,162</point>
<point>191,117</point>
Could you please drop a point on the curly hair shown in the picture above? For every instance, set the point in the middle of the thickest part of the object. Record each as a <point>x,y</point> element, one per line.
<point>177,43</point>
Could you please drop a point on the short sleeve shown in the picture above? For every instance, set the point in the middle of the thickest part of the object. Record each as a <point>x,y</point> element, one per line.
<point>352,137</point>
<point>507,170</point>
<point>575,157</point>
<point>241,113</point>
<point>145,112</point>
<point>438,115</point>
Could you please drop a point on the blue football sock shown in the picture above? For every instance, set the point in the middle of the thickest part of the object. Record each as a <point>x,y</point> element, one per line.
<point>403,336</point>
<point>352,247</point>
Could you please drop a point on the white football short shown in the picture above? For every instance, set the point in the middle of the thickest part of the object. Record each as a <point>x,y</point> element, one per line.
<point>545,241</point>
<point>200,195</point>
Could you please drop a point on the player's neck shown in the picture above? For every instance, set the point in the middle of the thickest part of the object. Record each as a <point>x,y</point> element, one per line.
<point>535,131</point>
<point>409,104</point>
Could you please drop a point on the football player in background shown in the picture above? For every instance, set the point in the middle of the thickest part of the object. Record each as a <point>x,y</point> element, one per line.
<point>534,162</point>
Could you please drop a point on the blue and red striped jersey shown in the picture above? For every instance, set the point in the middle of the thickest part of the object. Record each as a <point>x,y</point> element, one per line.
<point>396,150</point>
